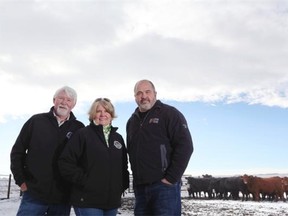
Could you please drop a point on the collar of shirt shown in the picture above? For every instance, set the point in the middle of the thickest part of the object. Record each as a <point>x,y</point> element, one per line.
<point>61,122</point>
<point>106,132</point>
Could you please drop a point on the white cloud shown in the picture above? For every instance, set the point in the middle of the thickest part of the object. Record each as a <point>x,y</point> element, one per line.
<point>218,50</point>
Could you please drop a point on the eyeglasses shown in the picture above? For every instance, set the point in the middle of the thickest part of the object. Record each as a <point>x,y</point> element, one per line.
<point>100,99</point>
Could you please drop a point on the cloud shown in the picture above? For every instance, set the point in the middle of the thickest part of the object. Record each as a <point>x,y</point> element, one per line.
<point>193,50</point>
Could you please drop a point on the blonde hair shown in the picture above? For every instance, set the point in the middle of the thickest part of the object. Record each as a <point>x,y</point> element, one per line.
<point>106,103</point>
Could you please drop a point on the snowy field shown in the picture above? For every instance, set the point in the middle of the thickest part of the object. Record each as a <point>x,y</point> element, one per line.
<point>199,207</point>
<point>8,207</point>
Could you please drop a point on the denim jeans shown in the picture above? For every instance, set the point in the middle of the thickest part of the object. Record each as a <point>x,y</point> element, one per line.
<point>157,199</point>
<point>95,212</point>
<point>34,207</point>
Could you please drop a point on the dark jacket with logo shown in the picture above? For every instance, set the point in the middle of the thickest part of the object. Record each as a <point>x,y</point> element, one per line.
<point>35,154</point>
<point>159,145</point>
<point>99,173</point>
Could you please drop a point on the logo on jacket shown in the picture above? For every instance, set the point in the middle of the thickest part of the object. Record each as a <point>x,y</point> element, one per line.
<point>154,121</point>
<point>69,134</point>
<point>117,144</point>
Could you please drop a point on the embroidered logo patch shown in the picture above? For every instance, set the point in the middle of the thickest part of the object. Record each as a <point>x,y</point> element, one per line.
<point>117,144</point>
<point>69,134</point>
<point>154,120</point>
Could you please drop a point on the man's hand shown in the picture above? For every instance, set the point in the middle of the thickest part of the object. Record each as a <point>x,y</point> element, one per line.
<point>164,180</point>
<point>23,187</point>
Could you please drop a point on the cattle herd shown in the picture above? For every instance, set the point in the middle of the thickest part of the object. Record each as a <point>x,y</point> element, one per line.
<point>245,187</point>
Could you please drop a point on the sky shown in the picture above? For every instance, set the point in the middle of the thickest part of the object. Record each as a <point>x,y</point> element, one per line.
<point>222,63</point>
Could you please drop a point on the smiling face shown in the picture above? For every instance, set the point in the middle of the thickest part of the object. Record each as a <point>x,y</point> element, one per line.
<point>145,95</point>
<point>63,104</point>
<point>102,116</point>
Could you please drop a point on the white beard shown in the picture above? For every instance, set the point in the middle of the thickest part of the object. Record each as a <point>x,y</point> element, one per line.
<point>62,112</point>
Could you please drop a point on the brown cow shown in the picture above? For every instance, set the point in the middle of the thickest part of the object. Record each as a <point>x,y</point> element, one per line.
<point>265,186</point>
<point>285,185</point>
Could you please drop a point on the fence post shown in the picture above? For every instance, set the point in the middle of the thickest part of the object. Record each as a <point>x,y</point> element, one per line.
<point>9,187</point>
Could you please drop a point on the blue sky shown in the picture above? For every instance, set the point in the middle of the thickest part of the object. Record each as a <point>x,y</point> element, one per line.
<point>229,139</point>
<point>222,63</point>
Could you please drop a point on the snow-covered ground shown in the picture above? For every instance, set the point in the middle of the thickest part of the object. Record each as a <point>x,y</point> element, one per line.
<point>8,207</point>
<point>199,207</point>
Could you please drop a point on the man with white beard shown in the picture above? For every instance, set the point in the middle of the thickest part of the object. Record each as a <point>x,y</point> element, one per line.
<point>34,157</point>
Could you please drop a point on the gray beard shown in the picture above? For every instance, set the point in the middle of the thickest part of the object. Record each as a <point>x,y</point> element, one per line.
<point>62,112</point>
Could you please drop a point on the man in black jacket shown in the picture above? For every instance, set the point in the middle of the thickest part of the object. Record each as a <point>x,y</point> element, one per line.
<point>159,146</point>
<point>35,153</point>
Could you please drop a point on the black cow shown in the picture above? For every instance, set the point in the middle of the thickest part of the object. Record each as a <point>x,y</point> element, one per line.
<point>214,187</point>
<point>197,186</point>
<point>224,186</point>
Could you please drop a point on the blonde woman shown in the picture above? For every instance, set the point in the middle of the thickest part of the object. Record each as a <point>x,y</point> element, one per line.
<point>95,161</point>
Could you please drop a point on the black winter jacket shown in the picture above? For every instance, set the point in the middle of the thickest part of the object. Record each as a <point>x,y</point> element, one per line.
<point>99,173</point>
<point>35,154</point>
<point>159,146</point>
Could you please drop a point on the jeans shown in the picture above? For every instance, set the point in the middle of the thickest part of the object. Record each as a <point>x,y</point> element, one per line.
<point>157,199</point>
<point>95,212</point>
<point>34,207</point>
